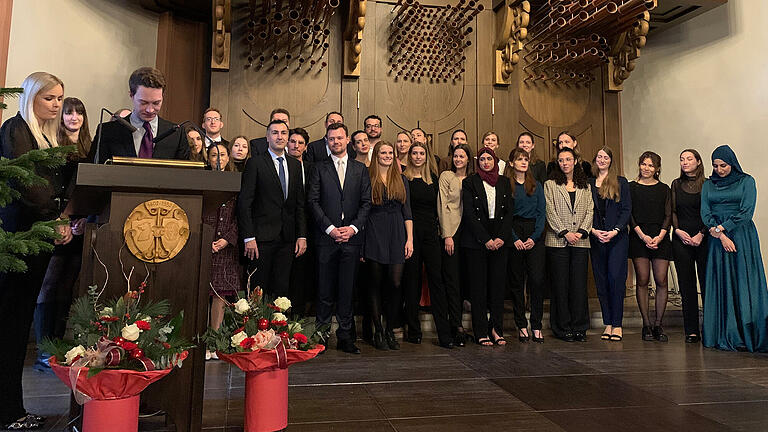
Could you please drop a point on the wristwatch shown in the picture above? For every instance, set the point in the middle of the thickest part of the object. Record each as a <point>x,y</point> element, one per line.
<point>718,230</point>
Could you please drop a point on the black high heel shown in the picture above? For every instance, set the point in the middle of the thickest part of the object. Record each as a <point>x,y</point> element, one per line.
<point>536,339</point>
<point>523,337</point>
<point>647,333</point>
<point>389,337</point>
<point>378,342</point>
<point>659,335</point>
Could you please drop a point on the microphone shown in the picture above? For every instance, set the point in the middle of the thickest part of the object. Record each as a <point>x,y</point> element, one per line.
<point>119,119</point>
<point>167,133</point>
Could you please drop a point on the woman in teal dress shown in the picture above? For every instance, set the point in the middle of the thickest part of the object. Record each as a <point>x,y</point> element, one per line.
<point>736,305</point>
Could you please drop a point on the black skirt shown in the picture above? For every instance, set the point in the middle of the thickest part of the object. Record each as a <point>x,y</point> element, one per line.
<point>637,248</point>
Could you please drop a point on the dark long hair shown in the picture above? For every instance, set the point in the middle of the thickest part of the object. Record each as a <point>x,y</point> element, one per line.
<point>84,136</point>
<point>655,160</point>
<point>698,173</point>
<point>509,171</point>
<point>470,161</point>
<point>579,176</point>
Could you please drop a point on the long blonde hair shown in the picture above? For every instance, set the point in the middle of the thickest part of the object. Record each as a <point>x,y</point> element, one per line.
<point>609,188</point>
<point>32,85</point>
<point>395,187</point>
<point>426,171</point>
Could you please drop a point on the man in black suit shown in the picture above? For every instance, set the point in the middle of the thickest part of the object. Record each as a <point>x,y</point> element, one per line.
<point>259,145</point>
<point>270,212</point>
<point>318,150</point>
<point>213,123</point>
<point>147,86</point>
<point>303,284</point>
<point>339,197</point>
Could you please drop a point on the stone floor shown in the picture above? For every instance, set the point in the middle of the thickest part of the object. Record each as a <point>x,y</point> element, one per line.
<point>557,386</point>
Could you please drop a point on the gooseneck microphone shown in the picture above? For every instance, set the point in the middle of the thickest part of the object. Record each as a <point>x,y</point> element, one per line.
<point>118,119</point>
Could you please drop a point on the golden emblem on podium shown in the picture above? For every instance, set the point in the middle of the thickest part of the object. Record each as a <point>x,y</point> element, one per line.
<point>156,230</point>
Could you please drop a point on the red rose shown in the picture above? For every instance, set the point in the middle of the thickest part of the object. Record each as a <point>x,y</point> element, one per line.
<point>247,343</point>
<point>142,325</point>
<point>279,323</point>
<point>137,353</point>
<point>263,324</point>
<point>300,338</point>
<point>129,346</point>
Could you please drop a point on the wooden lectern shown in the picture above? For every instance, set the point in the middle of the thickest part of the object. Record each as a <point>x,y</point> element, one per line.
<point>162,197</point>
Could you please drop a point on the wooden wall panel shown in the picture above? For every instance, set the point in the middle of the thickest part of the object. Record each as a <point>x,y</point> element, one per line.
<point>6,8</point>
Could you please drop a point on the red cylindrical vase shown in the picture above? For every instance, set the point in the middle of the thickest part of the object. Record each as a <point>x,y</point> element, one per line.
<point>266,400</point>
<point>114,415</point>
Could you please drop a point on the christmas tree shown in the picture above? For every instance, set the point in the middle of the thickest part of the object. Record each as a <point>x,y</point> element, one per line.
<point>20,173</point>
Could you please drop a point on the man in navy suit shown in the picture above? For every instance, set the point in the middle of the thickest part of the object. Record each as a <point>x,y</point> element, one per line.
<point>339,197</point>
<point>147,86</point>
<point>270,212</point>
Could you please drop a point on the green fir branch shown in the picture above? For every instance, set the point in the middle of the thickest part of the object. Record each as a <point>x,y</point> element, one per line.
<point>9,92</point>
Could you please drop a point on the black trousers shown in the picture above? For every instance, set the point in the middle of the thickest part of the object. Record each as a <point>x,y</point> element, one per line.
<point>690,262</point>
<point>18,295</point>
<point>302,286</point>
<point>452,272</point>
<point>569,308</point>
<point>273,268</point>
<point>609,266</point>
<point>336,268</point>
<point>526,269</point>
<point>426,253</point>
<point>486,289</point>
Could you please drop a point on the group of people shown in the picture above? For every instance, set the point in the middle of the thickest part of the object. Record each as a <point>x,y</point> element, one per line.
<point>349,222</point>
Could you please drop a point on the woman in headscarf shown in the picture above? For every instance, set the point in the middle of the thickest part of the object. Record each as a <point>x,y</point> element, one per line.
<point>736,304</point>
<point>488,212</point>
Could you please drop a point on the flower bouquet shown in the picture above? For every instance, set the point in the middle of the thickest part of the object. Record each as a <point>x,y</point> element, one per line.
<point>119,348</point>
<point>257,337</point>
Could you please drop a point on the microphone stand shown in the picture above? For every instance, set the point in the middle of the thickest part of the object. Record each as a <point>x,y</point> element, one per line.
<point>120,120</point>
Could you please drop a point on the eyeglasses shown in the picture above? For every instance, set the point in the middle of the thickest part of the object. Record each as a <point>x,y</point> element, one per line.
<point>212,119</point>
<point>373,126</point>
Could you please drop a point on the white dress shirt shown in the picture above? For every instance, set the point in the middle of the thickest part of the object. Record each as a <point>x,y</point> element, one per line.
<point>138,134</point>
<point>490,193</point>
<point>335,159</point>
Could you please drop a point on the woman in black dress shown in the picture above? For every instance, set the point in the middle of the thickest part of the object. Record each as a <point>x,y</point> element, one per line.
<point>34,127</point>
<point>488,211</point>
<point>689,242</point>
<point>402,146</point>
<point>567,139</point>
<point>649,243</point>
<point>388,242</point>
<point>422,183</point>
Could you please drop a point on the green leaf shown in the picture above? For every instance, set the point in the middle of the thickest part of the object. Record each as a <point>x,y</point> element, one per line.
<point>93,371</point>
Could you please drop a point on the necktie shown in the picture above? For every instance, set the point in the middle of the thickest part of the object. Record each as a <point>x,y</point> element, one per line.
<point>146,149</point>
<point>340,171</point>
<point>281,174</point>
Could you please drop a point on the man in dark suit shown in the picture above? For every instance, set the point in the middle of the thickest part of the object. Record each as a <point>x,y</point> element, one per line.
<point>270,212</point>
<point>318,150</point>
<point>339,197</point>
<point>303,284</point>
<point>213,123</point>
<point>259,145</point>
<point>147,86</point>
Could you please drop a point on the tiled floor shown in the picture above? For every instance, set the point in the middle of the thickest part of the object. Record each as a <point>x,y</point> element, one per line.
<point>558,386</point>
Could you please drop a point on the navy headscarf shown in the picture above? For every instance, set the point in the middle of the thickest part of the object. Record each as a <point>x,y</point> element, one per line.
<point>726,154</point>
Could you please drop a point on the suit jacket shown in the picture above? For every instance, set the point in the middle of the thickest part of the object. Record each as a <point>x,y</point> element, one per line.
<point>449,205</point>
<point>318,151</point>
<point>208,142</point>
<point>616,214</point>
<point>263,213</point>
<point>478,229</point>
<point>116,140</point>
<point>327,201</point>
<point>562,218</point>
<point>259,146</point>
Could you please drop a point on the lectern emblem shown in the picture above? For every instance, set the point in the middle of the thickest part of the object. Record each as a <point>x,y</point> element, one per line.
<point>156,230</point>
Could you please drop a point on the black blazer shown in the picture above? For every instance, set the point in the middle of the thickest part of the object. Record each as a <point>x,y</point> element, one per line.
<point>318,151</point>
<point>327,201</point>
<point>261,210</point>
<point>616,214</point>
<point>259,146</point>
<point>208,142</point>
<point>116,140</point>
<point>475,218</point>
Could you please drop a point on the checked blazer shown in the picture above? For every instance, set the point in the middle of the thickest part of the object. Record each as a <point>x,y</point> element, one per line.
<point>562,218</point>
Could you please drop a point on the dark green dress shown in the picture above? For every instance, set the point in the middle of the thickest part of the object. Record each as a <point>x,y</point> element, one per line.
<point>736,304</point>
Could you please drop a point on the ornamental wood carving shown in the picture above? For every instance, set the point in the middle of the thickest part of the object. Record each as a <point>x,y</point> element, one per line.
<point>156,230</point>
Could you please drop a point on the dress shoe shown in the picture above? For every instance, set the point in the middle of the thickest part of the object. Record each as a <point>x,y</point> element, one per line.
<point>460,339</point>
<point>348,347</point>
<point>389,337</point>
<point>447,345</point>
<point>659,335</point>
<point>580,337</point>
<point>568,337</point>
<point>414,339</point>
<point>647,333</point>
<point>691,339</point>
<point>378,341</point>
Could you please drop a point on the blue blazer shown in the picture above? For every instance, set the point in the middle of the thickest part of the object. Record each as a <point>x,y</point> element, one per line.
<point>327,200</point>
<point>616,214</point>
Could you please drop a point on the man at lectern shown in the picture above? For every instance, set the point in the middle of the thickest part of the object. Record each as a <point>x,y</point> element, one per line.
<point>147,86</point>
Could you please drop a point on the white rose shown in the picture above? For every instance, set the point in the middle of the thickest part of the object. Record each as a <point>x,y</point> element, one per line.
<point>73,353</point>
<point>283,303</point>
<point>242,306</point>
<point>237,338</point>
<point>107,311</point>
<point>277,316</point>
<point>294,328</point>
<point>131,332</point>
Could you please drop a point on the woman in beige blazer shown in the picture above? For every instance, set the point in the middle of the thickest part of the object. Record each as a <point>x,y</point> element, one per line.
<point>569,220</point>
<point>449,210</point>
